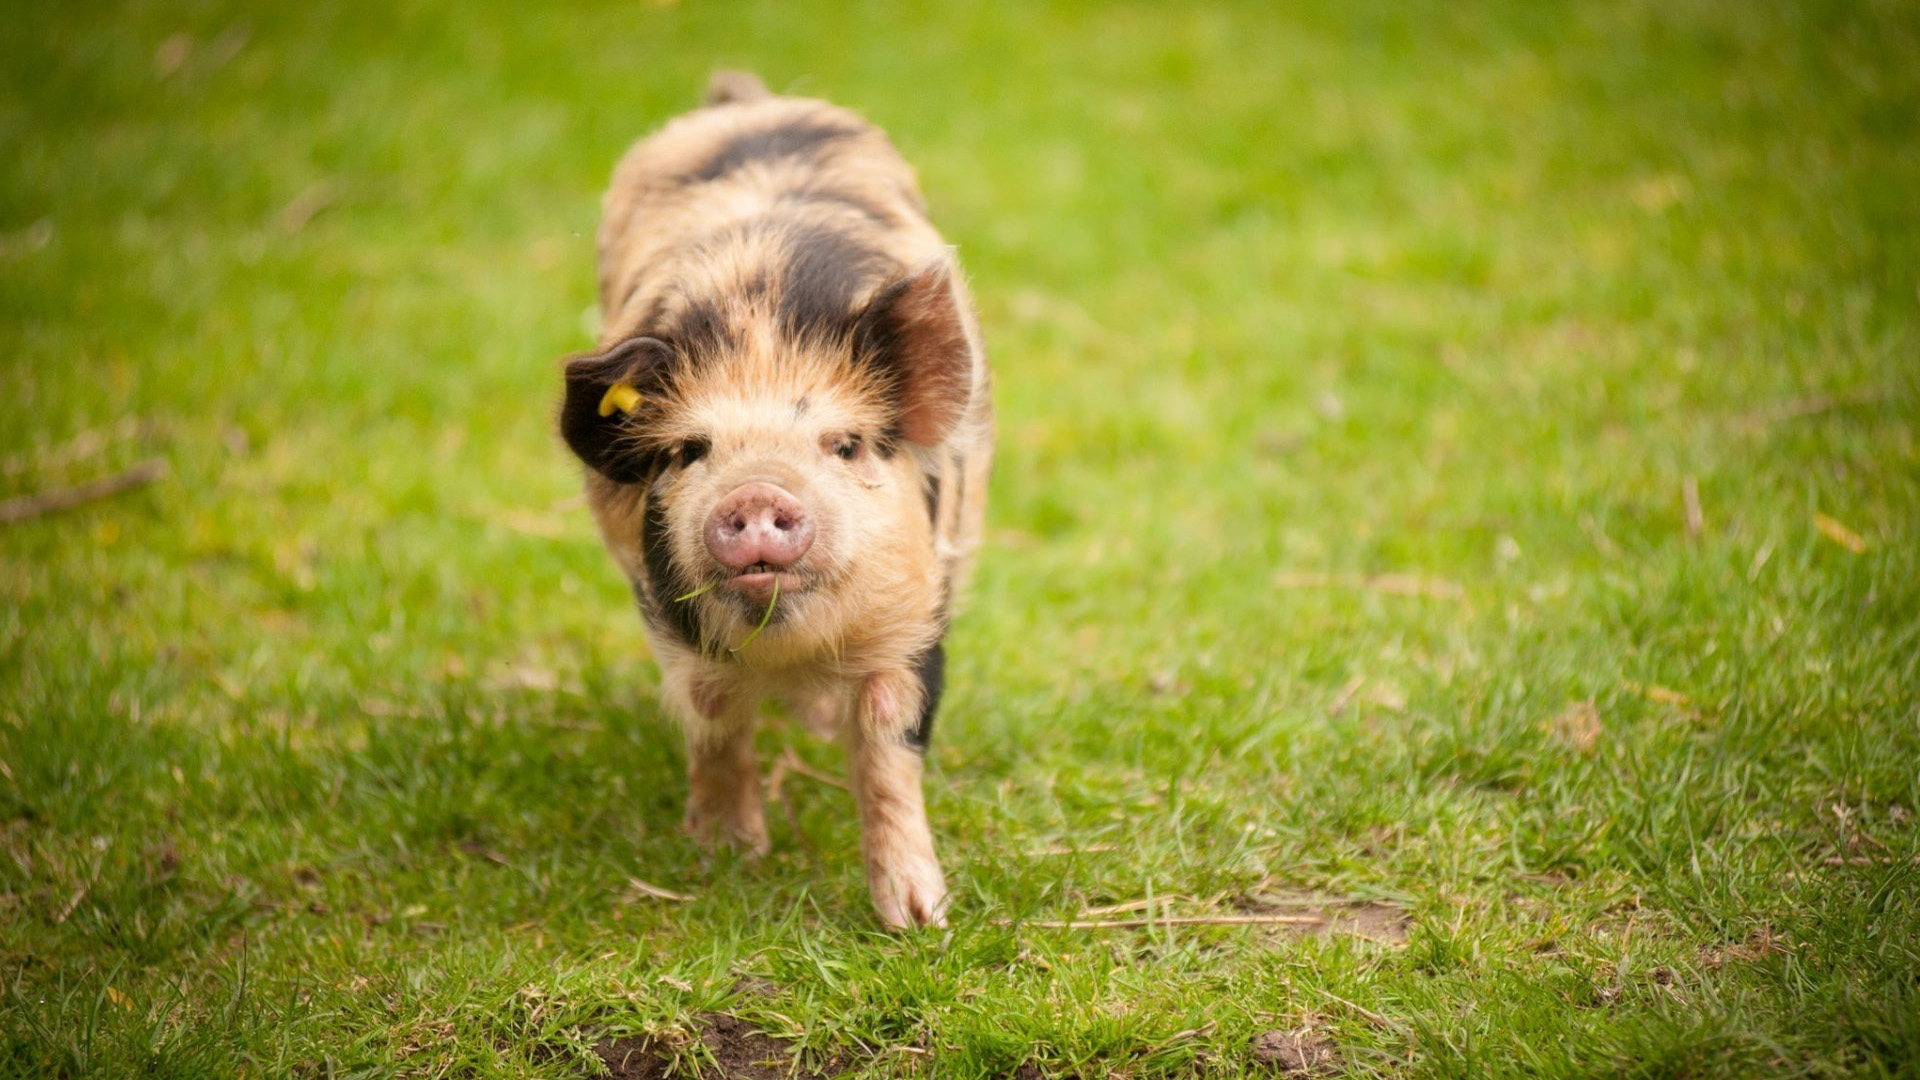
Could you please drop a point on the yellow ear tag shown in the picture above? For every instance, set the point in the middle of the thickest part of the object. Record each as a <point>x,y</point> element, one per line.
<point>619,396</point>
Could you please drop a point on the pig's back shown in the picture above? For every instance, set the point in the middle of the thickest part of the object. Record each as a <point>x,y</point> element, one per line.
<point>702,205</point>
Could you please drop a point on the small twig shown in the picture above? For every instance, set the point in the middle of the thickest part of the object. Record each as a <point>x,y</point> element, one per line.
<point>1391,584</point>
<point>803,769</point>
<point>1190,1033</point>
<point>530,523</point>
<point>80,447</point>
<point>1369,1015</point>
<point>1690,495</point>
<point>48,502</point>
<point>1064,849</point>
<point>1135,905</point>
<point>1765,417</point>
<point>777,777</point>
<point>1759,561</point>
<point>645,888</point>
<point>67,909</point>
<point>1657,693</point>
<point>776,792</point>
<point>1840,534</point>
<point>486,854</point>
<point>312,199</point>
<point>1345,697</point>
<point>1168,920</point>
<point>1601,540</point>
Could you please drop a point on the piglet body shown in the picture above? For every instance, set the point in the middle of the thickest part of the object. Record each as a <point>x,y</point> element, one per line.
<point>795,483</point>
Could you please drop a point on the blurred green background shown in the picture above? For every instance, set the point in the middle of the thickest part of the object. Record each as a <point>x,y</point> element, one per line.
<point>1455,458</point>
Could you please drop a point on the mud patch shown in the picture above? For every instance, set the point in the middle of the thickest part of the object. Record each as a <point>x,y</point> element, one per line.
<point>1294,1053</point>
<point>737,1052</point>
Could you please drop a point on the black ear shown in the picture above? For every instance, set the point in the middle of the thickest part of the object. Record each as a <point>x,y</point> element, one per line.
<point>640,363</point>
<point>915,332</point>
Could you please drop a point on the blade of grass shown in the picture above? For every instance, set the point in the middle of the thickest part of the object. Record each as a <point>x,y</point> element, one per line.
<point>766,617</point>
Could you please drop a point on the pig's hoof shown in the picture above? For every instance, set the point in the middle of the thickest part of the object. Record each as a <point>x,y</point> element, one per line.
<point>745,832</point>
<point>909,891</point>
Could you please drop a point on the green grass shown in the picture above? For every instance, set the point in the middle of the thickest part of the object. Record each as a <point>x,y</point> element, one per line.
<point>333,753</point>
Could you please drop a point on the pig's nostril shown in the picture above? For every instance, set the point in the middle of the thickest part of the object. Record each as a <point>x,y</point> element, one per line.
<point>759,524</point>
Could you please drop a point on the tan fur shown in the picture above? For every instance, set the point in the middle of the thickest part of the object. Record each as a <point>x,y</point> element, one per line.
<point>883,575</point>
<point>723,789</point>
<point>903,875</point>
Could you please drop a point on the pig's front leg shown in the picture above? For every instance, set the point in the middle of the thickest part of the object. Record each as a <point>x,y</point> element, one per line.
<point>902,872</point>
<point>723,777</point>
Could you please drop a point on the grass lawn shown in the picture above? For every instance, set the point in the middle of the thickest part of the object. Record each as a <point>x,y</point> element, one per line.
<point>1458,480</point>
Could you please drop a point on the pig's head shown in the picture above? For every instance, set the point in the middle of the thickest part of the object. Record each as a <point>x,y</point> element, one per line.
<point>770,475</point>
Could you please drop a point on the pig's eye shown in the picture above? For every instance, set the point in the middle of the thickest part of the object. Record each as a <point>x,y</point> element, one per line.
<point>847,448</point>
<point>693,450</point>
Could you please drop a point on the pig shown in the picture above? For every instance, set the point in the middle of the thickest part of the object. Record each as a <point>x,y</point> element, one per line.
<point>786,429</point>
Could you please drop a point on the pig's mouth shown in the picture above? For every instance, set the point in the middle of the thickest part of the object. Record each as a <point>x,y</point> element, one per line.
<point>756,582</point>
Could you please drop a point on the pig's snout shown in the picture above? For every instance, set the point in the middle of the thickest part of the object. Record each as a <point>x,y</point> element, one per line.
<point>758,523</point>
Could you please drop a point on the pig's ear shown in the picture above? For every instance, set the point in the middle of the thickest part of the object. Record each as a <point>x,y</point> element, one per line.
<point>915,332</point>
<point>595,414</point>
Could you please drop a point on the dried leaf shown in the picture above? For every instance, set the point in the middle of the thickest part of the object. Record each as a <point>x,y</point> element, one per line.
<point>1840,534</point>
<point>1578,725</point>
<point>637,888</point>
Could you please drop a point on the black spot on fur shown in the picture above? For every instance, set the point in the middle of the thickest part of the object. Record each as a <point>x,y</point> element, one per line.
<point>661,609</point>
<point>931,667</point>
<point>822,271</point>
<point>933,501</point>
<point>876,347</point>
<point>700,328</point>
<point>794,138</point>
<point>826,270</point>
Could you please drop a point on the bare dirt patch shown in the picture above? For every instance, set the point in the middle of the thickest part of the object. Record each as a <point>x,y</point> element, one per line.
<point>1294,1053</point>
<point>738,1052</point>
<point>1578,726</point>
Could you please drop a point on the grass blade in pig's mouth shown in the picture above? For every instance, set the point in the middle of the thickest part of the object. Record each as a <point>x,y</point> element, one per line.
<point>750,583</point>
<point>764,619</point>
